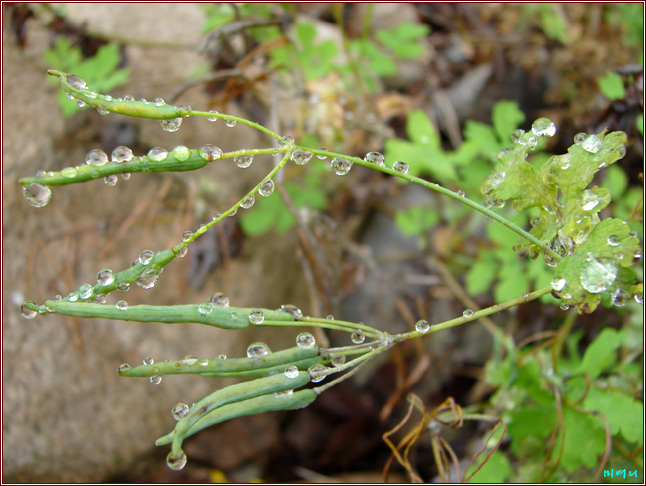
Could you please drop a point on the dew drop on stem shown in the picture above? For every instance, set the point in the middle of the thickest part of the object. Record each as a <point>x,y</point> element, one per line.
<point>187,235</point>
<point>210,152</point>
<point>122,305</point>
<point>301,157</point>
<point>181,153</point>
<point>375,158</point>
<point>212,118</point>
<point>467,313</point>
<point>157,154</point>
<point>180,411</point>
<point>110,180</point>
<point>96,157</point>
<point>220,299</point>
<point>257,350</point>
<point>358,337</point>
<point>243,161</point>
<point>341,166</point>
<point>155,379</point>
<point>256,316</point>
<point>291,372</point>
<point>230,123</point>
<point>123,367</point>
<point>205,308</point>
<point>76,81</point>
<point>293,310</point>
<point>85,291</point>
<point>146,256</point>
<point>401,167</point>
<point>544,127</point>
<point>171,125</point>
<point>266,188</point>
<point>37,195</point>
<point>248,202</point>
<point>149,361</point>
<point>26,312</point>
<point>317,372</point>
<point>422,326</point>
<point>121,154</point>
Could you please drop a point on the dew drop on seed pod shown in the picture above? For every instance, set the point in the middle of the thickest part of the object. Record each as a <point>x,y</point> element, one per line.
<point>149,361</point>
<point>401,167</point>
<point>210,152</point>
<point>80,103</point>
<point>337,360</point>
<point>291,372</point>
<point>186,108</point>
<point>189,360</point>
<point>284,394</point>
<point>256,316</point>
<point>544,127</point>
<point>558,284</point>
<point>27,313</point>
<point>181,153</point>
<point>597,275</point>
<point>37,195</point>
<point>422,326</point>
<point>341,166</point>
<point>155,379</point>
<point>171,125</point>
<point>85,291</point>
<point>183,251</point>
<point>123,286</point>
<point>122,305</point>
<point>76,82</point>
<point>317,372</point>
<point>105,277</point>
<point>146,256</point>
<point>257,350</point>
<point>180,411</point>
<point>147,279</point>
<point>205,308</point>
<point>266,188</point>
<point>248,202</point>
<point>110,180</point>
<point>358,337</point>
<point>123,367</point>
<point>73,296</point>
<point>222,356</point>
<point>187,235</point>
<point>322,157</point>
<point>212,118</point>
<point>375,158</point>
<point>204,362</point>
<point>301,157</point>
<point>121,154</point>
<point>100,299</point>
<point>102,111</point>
<point>564,306</point>
<point>305,340</point>
<point>467,313</point>
<point>69,172</point>
<point>613,240</point>
<point>293,310</point>
<point>286,140</point>
<point>128,98</point>
<point>230,123</point>
<point>157,154</point>
<point>592,144</point>
<point>220,299</point>
<point>243,161</point>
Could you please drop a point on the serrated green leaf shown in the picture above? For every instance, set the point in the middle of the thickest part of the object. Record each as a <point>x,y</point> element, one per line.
<point>601,354</point>
<point>584,440</point>
<point>506,117</point>
<point>625,414</point>
<point>529,427</point>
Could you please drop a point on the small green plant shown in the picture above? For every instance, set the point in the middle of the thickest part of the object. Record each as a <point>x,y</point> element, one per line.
<point>589,259</point>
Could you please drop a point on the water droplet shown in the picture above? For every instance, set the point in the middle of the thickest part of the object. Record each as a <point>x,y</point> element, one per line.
<point>230,123</point>
<point>212,118</point>
<point>80,103</point>
<point>613,240</point>
<point>146,256</point>
<point>126,176</point>
<point>123,367</point>
<point>85,291</point>
<point>597,275</point>
<point>286,140</point>
<point>293,310</point>
<point>358,337</point>
<point>266,188</point>
<point>176,462</point>
<point>27,313</point>
<point>75,81</point>
<point>592,144</point>
<point>517,135</point>
<point>149,361</point>
<point>317,372</point>
<point>284,394</point>
<point>128,98</point>
<point>256,316</point>
<point>222,356</point>
<point>111,180</point>
<point>375,158</point>
<point>492,182</point>
<point>189,360</point>
<point>147,279</point>
<point>159,101</point>
<point>341,166</point>
<point>544,127</point>
<point>322,157</point>
<point>564,306</point>
<point>69,96</point>
<point>171,125</point>
<point>37,195</point>
<point>257,350</point>
<point>122,305</point>
<point>183,251</point>
<point>291,372</point>
<point>247,202</point>
<point>210,152</point>
<point>220,300</point>
<point>186,108</point>
<point>205,308</point>
<point>301,157</point>
<point>305,340</point>
<point>204,362</point>
<point>467,313</point>
<point>123,286</point>
<point>243,161</point>
<point>180,411</point>
<point>187,235</point>
<point>461,193</point>
<point>337,360</point>
<point>401,167</point>
<point>558,284</point>
<point>181,153</point>
<point>637,256</point>
<point>155,379</point>
<point>639,297</point>
<point>422,326</point>
<point>620,297</point>
<point>121,154</point>
<point>100,298</point>
<point>96,157</point>
<point>579,138</point>
<point>157,154</point>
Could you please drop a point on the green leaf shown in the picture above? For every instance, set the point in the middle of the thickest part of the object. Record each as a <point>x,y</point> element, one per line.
<point>529,427</point>
<point>639,124</point>
<point>496,470</point>
<point>612,86</point>
<point>602,353</point>
<point>416,220</point>
<point>480,276</point>
<point>625,414</point>
<point>506,117</point>
<point>584,440</point>
<point>421,131</point>
<point>403,40</point>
